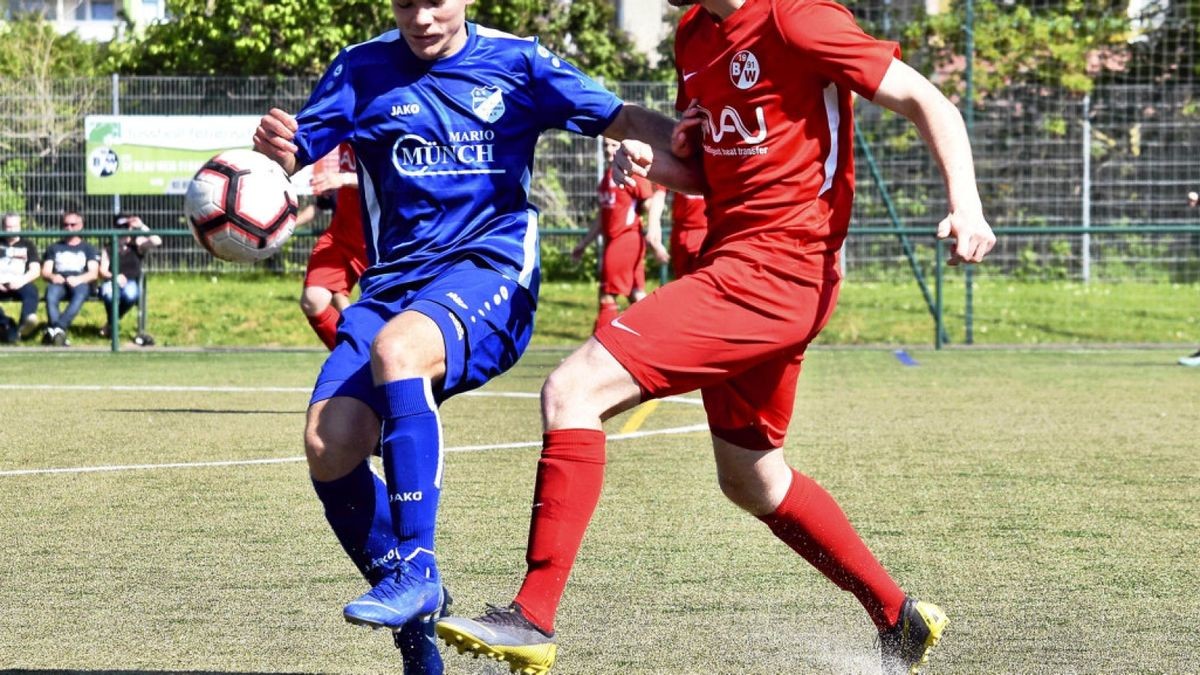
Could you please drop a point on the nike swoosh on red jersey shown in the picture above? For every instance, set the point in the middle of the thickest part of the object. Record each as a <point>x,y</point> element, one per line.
<point>616,323</point>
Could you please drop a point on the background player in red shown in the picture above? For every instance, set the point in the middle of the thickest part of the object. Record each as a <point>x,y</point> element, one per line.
<point>340,254</point>
<point>689,226</point>
<point>623,265</point>
<point>767,138</point>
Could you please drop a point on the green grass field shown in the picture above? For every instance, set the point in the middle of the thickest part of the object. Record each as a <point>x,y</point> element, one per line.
<point>157,516</point>
<point>261,310</point>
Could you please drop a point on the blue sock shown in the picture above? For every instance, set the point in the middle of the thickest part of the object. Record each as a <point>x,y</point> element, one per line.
<point>412,464</point>
<point>356,507</point>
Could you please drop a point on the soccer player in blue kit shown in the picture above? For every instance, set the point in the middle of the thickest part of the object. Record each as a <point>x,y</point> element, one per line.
<point>443,115</point>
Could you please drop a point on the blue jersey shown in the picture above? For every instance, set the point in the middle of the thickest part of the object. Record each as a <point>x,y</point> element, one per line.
<point>445,148</point>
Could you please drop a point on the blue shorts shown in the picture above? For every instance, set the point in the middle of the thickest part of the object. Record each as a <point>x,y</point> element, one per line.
<point>486,321</point>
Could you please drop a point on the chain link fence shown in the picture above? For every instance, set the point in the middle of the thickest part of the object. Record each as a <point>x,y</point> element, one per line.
<point>1123,155</point>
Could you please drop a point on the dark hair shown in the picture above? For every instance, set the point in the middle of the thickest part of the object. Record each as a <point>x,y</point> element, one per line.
<point>122,219</point>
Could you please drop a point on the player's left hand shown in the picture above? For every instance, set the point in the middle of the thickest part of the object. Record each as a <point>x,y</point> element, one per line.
<point>632,159</point>
<point>973,237</point>
<point>660,253</point>
<point>685,137</point>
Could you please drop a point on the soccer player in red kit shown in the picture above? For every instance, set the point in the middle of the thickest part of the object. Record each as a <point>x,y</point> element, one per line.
<point>623,265</point>
<point>689,226</point>
<point>768,84</point>
<point>340,254</point>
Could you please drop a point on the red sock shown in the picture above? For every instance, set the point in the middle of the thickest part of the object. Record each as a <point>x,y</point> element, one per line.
<point>812,523</point>
<point>325,325</point>
<point>569,477</point>
<point>608,312</point>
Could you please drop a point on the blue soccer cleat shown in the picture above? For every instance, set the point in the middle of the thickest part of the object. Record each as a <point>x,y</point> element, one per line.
<point>418,644</point>
<point>412,591</point>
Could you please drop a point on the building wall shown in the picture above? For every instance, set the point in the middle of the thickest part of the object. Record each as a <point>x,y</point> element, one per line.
<point>643,20</point>
<point>90,19</point>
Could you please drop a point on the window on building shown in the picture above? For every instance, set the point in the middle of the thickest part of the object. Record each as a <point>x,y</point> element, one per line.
<point>47,9</point>
<point>96,10</point>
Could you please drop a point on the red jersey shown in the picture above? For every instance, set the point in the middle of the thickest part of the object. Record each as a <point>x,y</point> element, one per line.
<point>619,206</point>
<point>346,227</point>
<point>687,213</point>
<point>774,80</point>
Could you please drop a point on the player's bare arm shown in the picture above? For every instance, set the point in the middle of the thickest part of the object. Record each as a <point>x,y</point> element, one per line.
<point>328,182</point>
<point>653,208</point>
<point>905,91</point>
<point>273,138</point>
<point>653,132</point>
<point>592,233</point>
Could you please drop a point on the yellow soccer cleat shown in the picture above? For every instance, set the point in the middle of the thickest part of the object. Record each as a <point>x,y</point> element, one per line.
<point>905,647</point>
<point>503,634</point>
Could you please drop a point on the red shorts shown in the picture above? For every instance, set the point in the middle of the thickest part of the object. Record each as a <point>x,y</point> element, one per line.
<point>734,329</point>
<point>685,250</point>
<point>334,266</point>
<point>623,268</point>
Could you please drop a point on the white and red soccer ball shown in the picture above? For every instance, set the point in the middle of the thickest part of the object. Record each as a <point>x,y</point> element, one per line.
<point>241,206</point>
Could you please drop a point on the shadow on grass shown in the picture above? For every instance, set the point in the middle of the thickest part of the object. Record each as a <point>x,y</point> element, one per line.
<point>199,411</point>
<point>15,671</point>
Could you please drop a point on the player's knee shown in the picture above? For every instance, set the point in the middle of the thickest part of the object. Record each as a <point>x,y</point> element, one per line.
<point>745,494</point>
<point>555,393</point>
<point>587,386</point>
<point>314,300</point>
<point>393,359</point>
<point>327,456</point>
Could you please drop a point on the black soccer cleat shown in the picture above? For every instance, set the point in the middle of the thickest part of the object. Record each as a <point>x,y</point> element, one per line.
<point>905,647</point>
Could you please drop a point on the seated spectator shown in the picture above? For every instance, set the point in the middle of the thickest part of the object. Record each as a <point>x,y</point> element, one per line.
<point>19,267</point>
<point>133,250</point>
<point>70,266</point>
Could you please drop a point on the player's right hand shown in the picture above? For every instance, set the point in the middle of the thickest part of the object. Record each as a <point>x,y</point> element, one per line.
<point>632,159</point>
<point>273,138</point>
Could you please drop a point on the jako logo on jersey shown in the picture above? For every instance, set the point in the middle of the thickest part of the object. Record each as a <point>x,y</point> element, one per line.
<point>730,120</point>
<point>546,54</point>
<point>469,152</point>
<point>488,103</point>
<point>337,72</point>
<point>744,70</point>
<point>407,497</point>
<point>406,109</point>
<point>457,299</point>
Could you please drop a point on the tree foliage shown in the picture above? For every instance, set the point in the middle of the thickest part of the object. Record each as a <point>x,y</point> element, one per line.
<point>300,37</point>
<point>248,37</point>
<point>48,76</point>
<point>30,47</point>
<point>1056,44</point>
<point>581,30</point>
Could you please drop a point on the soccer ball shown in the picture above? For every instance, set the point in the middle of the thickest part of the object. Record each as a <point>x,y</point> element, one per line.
<point>241,206</point>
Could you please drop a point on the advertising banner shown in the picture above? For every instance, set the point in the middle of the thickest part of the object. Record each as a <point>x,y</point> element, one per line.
<point>159,154</point>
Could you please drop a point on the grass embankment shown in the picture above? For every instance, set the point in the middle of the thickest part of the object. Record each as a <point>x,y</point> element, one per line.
<point>256,310</point>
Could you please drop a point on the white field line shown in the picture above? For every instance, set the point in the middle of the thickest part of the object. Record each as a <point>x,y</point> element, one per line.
<point>286,460</point>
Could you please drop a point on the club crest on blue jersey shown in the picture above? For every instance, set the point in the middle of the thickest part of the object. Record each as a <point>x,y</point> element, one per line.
<point>488,103</point>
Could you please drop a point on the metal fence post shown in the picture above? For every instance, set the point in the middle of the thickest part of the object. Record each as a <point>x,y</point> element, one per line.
<point>1085,206</point>
<point>114,306</point>
<point>116,110</point>
<point>969,118</point>
<point>939,272</point>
